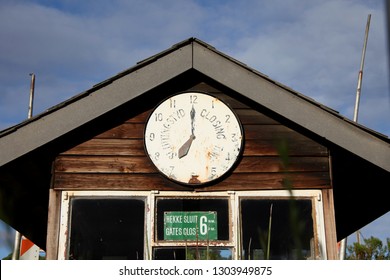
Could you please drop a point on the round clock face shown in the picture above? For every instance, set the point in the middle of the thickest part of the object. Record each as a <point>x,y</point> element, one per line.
<point>193,138</point>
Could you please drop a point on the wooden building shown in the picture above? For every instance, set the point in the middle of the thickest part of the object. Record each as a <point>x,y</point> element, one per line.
<point>100,176</point>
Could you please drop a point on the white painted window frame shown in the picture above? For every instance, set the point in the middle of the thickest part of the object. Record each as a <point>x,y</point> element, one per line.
<point>150,197</point>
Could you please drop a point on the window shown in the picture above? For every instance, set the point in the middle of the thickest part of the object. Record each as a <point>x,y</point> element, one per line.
<point>185,225</point>
<point>192,228</point>
<point>105,227</point>
<point>277,228</point>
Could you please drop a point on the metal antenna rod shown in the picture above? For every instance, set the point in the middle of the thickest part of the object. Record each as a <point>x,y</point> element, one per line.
<point>31,103</point>
<point>360,77</point>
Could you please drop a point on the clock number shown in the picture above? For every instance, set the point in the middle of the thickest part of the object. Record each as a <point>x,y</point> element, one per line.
<point>213,172</point>
<point>152,136</point>
<point>157,156</point>
<point>193,99</point>
<point>228,157</point>
<point>227,120</point>
<point>158,117</point>
<point>172,155</point>
<point>234,137</point>
<point>172,103</point>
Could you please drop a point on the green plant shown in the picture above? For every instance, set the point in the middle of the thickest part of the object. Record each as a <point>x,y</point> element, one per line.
<point>371,249</point>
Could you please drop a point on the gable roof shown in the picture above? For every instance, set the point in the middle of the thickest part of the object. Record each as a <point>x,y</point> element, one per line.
<point>197,55</point>
<point>353,140</point>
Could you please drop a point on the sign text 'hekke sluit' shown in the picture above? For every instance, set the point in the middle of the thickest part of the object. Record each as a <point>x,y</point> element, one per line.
<point>190,225</point>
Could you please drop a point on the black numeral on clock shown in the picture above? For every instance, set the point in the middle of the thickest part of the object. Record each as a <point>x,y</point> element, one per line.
<point>172,103</point>
<point>158,117</point>
<point>193,99</point>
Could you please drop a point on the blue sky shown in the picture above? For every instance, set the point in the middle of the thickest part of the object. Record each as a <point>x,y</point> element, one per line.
<point>312,46</point>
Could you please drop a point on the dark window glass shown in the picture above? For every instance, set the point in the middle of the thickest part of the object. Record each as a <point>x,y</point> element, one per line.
<point>107,228</point>
<point>291,229</point>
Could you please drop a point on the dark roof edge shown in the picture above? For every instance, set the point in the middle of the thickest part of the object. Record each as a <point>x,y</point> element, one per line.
<point>104,83</point>
<point>382,136</point>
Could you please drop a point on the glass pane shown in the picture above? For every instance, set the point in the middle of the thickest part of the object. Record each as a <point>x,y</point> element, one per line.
<point>192,253</point>
<point>107,228</point>
<point>220,206</point>
<point>290,227</point>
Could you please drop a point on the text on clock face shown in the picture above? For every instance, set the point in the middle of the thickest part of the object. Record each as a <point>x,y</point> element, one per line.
<point>214,120</point>
<point>193,136</point>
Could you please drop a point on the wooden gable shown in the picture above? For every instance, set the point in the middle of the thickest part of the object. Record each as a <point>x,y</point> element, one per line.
<point>115,159</point>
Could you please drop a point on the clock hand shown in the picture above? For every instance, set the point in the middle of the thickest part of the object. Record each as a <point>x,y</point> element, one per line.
<point>192,114</point>
<point>183,151</point>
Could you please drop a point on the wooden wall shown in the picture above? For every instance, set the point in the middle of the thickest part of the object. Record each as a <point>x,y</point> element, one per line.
<point>116,160</point>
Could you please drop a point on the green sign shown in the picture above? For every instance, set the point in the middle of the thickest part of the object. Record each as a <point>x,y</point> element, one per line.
<point>190,226</point>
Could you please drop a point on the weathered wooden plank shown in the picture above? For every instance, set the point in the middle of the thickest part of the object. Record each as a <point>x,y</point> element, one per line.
<point>99,181</point>
<point>258,164</point>
<point>104,164</point>
<point>129,147</point>
<point>270,181</point>
<point>239,181</point>
<point>330,224</point>
<point>140,164</point>
<point>53,224</point>
<point>270,147</point>
<point>274,132</point>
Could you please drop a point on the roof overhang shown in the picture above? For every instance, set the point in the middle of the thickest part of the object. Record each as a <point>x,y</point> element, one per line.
<point>194,54</point>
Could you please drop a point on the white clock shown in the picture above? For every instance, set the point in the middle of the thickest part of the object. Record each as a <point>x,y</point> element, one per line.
<point>193,138</point>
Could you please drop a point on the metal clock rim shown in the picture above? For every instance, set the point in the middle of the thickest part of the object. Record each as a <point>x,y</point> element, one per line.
<point>210,182</point>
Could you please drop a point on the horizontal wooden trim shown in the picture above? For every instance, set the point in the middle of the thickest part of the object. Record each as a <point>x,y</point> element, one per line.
<point>141,164</point>
<point>241,181</point>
